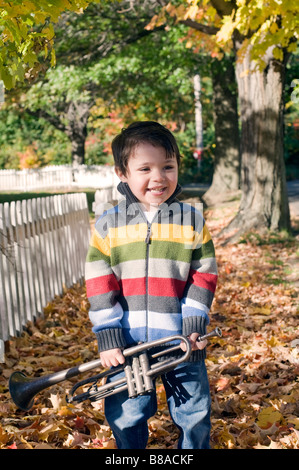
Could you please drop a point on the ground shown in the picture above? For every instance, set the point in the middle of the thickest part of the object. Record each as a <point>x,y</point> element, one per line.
<point>253,368</point>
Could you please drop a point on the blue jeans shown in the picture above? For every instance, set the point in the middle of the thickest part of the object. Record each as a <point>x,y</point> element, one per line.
<point>188,398</point>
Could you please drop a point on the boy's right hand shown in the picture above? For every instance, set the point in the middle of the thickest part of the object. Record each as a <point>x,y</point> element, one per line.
<point>112,357</point>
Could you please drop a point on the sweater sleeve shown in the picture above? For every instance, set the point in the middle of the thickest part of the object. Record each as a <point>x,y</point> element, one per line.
<point>201,285</point>
<point>102,291</point>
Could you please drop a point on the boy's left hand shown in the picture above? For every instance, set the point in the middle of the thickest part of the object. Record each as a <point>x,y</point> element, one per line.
<point>194,344</point>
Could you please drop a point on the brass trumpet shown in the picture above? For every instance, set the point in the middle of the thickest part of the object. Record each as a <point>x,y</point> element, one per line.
<point>139,367</point>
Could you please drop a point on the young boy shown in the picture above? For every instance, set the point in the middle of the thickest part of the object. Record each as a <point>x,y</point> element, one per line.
<point>150,273</point>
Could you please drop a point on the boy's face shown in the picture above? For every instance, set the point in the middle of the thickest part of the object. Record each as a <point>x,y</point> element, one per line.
<point>151,176</point>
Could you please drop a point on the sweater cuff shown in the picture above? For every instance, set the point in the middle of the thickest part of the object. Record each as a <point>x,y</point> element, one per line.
<point>110,339</point>
<point>194,324</point>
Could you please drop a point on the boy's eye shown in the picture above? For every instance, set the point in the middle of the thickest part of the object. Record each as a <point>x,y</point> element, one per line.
<point>167,167</point>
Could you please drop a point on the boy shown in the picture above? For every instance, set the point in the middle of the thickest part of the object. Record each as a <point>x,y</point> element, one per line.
<point>151,272</point>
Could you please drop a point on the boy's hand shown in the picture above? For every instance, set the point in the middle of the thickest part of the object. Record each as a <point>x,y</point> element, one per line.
<point>194,344</point>
<point>112,357</point>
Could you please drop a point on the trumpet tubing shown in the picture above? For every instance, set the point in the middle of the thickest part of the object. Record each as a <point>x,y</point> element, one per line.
<point>139,368</point>
<point>23,389</point>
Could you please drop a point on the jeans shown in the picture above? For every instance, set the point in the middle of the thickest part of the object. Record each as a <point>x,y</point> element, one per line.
<point>188,398</point>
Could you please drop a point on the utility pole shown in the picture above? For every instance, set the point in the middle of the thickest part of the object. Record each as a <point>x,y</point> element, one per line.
<point>197,154</point>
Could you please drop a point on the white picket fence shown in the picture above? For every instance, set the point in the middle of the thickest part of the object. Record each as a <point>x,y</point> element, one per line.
<point>60,176</point>
<point>43,246</point>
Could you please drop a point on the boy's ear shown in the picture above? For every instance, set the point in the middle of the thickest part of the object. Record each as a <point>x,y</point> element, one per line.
<point>119,173</point>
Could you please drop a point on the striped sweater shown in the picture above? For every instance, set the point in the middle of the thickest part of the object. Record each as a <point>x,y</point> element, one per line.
<point>145,281</point>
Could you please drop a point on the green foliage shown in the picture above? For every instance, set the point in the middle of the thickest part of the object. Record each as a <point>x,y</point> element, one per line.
<point>19,133</point>
<point>62,84</point>
<point>98,57</point>
<point>150,79</point>
<point>27,33</point>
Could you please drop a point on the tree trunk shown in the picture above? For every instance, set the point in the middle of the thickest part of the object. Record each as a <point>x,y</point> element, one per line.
<point>226,176</point>
<point>73,121</point>
<point>264,202</point>
<point>76,130</point>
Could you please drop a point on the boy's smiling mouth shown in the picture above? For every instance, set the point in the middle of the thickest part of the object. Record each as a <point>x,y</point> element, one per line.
<point>157,190</point>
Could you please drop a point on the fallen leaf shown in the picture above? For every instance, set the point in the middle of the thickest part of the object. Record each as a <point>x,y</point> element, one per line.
<point>12,446</point>
<point>222,384</point>
<point>269,416</point>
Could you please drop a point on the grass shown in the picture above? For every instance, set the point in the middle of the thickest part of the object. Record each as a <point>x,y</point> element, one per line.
<point>270,238</point>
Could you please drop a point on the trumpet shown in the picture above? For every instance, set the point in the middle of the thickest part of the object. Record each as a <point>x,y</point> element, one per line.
<point>141,367</point>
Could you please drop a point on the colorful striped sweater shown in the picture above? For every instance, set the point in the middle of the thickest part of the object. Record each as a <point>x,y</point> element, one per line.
<point>144,280</point>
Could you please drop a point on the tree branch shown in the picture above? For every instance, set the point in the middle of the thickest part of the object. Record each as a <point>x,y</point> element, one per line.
<point>40,113</point>
<point>211,30</point>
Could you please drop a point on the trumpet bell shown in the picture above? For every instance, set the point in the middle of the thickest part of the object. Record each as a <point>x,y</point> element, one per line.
<point>218,332</point>
<point>21,391</point>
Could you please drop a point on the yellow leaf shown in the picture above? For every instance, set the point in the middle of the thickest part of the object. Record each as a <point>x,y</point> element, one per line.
<point>278,53</point>
<point>65,411</point>
<point>295,421</point>
<point>273,28</point>
<point>211,12</point>
<point>246,284</point>
<point>4,436</point>
<point>292,47</point>
<point>261,310</point>
<point>192,12</point>
<point>269,416</point>
<point>47,430</point>
<point>272,342</point>
<point>226,438</point>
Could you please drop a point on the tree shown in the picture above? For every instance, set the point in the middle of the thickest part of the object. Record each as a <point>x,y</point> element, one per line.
<point>134,70</point>
<point>65,95</point>
<point>262,36</point>
<point>219,65</point>
<point>64,98</point>
<point>227,158</point>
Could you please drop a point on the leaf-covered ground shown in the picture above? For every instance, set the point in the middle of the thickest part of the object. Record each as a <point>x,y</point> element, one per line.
<point>253,368</point>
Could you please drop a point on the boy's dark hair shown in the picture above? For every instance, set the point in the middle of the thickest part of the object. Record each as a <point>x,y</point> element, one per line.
<point>141,132</point>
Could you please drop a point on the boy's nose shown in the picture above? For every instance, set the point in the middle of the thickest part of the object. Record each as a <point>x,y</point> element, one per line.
<point>158,176</point>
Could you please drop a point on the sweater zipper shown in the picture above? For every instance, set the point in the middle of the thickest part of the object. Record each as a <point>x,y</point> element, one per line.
<point>147,241</point>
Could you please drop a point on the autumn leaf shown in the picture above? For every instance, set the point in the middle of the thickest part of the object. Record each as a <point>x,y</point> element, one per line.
<point>260,310</point>
<point>269,416</point>
<point>12,446</point>
<point>222,384</point>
